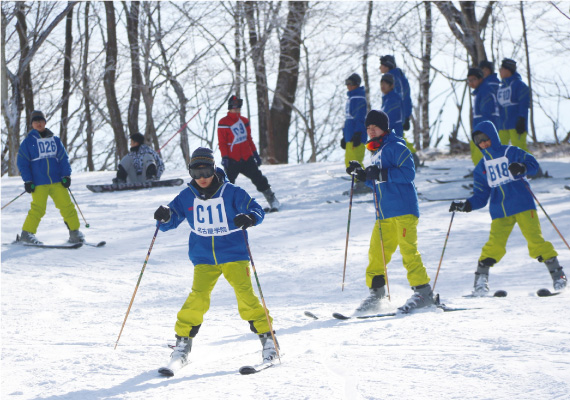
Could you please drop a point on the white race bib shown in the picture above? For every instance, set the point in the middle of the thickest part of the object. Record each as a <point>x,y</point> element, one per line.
<point>504,96</point>
<point>376,159</point>
<point>47,147</point>
<point>498,171</point>
<point>239,131</point>
<point>210,217</point>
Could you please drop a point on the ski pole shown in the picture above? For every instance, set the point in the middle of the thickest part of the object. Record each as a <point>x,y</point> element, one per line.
<point>347,231</point>
<point>13,200</point>
<point>261,295</point>
<point>545,213</point>
<point>179,130</point>
<point>75,201</point>
<point>138,282</point>
<point>377,206</point>
<point>442,252</point>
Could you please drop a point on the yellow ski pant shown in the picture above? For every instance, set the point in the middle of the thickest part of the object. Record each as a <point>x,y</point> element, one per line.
<point>198,302</point>
<point>396,231</point>
<point>516,139</point>
<point>62,201</point>
<point>353,153</point>
<point>501,228</point>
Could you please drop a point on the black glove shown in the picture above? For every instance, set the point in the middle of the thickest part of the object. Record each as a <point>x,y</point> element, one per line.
<point>521,125</point>
<point>29,186</point>
<point>356,139</point>
<point>343,143</point>
<point>66,181</point>
<point>225,162</point>
<point>257,158</point>
<point>162,214</point>
<point>353,166</point>
<point>462,206</point>
<point>374,172</point>
<point>517,168</point>
<point>244,221</point>
<point>406,124</point>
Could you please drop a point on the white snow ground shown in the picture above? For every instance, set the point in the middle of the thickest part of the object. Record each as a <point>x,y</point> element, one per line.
<point>62,309</point>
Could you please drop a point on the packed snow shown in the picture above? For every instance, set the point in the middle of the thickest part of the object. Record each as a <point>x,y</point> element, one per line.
<point>62,310</point>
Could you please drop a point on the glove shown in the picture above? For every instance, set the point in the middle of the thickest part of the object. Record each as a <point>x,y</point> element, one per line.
<point>353,166</point>
<point>343,143</point>
<point>162,214</point>
<point>29,186</point>
<point>462,206</point>
<point>517,168</point>
<point>373,172</point>
<point>257,158</point>
<point>225,162</point>
<point>66,181</point>
<point>244,221</point>
<point>356,139</point>
<point>521,125</point>
<point>406,124</point>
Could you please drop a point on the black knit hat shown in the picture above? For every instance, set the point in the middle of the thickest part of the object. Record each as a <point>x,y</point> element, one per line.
<point>388,61</point>
<point>487,64</point>
<point>388,78</point>
<point>478,72</point>
<point>38,116</point>
<point>234,102</point>
<point>353,80</point>
<point>137,137</point>
<point>509,64</point>
<point>378,118</point>
<point>201,156</point>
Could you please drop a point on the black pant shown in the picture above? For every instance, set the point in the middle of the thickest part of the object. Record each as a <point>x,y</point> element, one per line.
<point>250,169</point>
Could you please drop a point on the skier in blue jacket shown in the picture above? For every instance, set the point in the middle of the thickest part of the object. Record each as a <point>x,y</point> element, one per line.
<point>401,86</point>
<point>216,211</point>
<point>354,131</point>
<point>489,75</point>
<point>391,176</point>
<point>45,169</point>
<point>392,104</point>
<point>501,177</point>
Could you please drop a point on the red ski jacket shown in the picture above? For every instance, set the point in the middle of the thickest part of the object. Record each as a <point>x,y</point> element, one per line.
<point>234,137</point>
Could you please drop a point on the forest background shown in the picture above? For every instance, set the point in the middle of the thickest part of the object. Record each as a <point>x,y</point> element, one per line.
<point>101,71</point>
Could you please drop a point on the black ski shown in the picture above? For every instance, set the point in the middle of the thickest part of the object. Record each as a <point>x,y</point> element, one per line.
<point>393,314</point>
<point>98,244</point>
<point>248,369</point>
<point>546,293</point>
<point>47,246</point>
<point>311,315</point>
<point>498,293</point>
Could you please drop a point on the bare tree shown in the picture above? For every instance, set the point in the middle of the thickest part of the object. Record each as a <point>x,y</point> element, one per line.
<point>425,83</point>
<point>66,78</point>
<point>365,53</point>
<point>528,74</point>
<point>136,76</point>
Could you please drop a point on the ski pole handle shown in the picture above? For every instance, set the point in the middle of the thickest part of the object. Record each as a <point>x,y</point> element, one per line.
<point>13,200</point>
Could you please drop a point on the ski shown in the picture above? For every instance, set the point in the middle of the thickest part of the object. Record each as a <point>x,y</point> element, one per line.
<point>311,315</point>
<point>424,198</point>
<point>546,293</point>
<point>98,244</point>
<point>497,293</point>
<point>47,246</point>
<point>399,312</point>
<point>441,181</point>
<point>134,186</point>
<point>269,210</point>
<point>248,369</point>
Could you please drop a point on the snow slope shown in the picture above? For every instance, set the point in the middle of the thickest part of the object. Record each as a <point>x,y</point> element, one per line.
<point>62,309</point>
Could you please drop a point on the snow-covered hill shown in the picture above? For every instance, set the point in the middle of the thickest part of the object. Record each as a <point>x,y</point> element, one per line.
<point>62,309</point>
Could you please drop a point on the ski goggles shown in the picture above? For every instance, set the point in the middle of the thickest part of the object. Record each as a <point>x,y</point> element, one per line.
<point>374,144</point>
<point>202,172</point>
<point>479,137</point>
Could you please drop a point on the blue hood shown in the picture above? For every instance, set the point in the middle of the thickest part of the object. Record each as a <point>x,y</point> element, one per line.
<point>489,129</point>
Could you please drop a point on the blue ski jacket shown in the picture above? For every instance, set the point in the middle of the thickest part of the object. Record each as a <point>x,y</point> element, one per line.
<point>214,239</point>
<point>492,178</point>
<point>392,106</point>
<point>485,105</point>
<point>397,195</point>
<point>402,87</point>
<point>494,82</point>
<point>42,160</point>
<point>355,114</point>
<point>514,101</point>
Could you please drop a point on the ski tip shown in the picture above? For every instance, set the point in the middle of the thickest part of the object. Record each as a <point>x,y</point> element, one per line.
<point>340,316</point>
<point>311,315</point>
<point>500,293</point>
<point>166,372</point>
<point>247,370</point>
<point>545,293</point>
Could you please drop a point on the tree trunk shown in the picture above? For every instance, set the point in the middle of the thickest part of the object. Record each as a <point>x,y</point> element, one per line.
<point>365,54</point>
<point>66,79</point>
<point>287,80</point>
<point>109,82</point>
<point>237,41</point>
<point>26,76</point>
<point>424,78</point>
<point>87,94</point>
<point>136,78</point>
<point>528,76</point>
<point>147,84</point>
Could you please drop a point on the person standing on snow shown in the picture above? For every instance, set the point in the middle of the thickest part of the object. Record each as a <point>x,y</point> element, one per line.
<point>489,75</point>
<point>141,164</point>
<point>392,175</point>
<point>501,176</point>
<point>392,104</point>
<point>45,169</point>
<point>216,211</point>
<point>485,106</point>
<point>239,154</point>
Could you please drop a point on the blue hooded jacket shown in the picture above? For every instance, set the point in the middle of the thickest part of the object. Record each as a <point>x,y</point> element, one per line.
<point>514,101</point>
<point>355,114</point>
<point>392,106</point>
<point>397,195</point>
<point>402,87</point>
<point>214,239</point>
<point>494,82</point>
<point>485,106</point>
<point>511,196</point>
<point>42,161</point>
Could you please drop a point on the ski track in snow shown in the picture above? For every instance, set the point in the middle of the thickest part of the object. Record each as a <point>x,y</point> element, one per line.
<point>62,309</point>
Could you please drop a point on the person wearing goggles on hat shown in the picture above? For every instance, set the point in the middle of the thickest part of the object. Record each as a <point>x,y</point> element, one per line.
<point>500,176</point>
<point>217,212</point>
<point>392,175</point>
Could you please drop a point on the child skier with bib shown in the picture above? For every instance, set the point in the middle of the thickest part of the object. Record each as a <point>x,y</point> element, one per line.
<point>501,176</point>
<point>216,211</point>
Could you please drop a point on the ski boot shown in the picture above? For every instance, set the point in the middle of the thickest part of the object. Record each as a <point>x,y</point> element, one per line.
<point>179,356</point>
<point>76,236</point>
<point>481,282</point>
<point>559,280</point>
<point>372,302</point>
<point>422,297</point>
<point>269,353</point>
<point>272,200</point>
<point>28,237</point>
